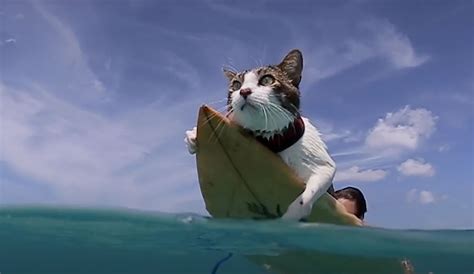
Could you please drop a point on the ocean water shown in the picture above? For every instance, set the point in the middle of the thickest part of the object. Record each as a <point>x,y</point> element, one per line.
<point>77,240</point>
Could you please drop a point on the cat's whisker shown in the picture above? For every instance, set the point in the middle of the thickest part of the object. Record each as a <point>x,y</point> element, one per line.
<point>267,115</point>
<point>224,108</point>
<point>211,137</point>
<point>278,114</point>
<point>274,116</point>
<point>217,101</point>
<point>286,113</point>
<point>281,111</point>
<point>221,109</point>
<point>261,106</point>
<point>272,110</point>
<point>220,124</point>
<point>295,109</point>
<point>230,65</point>
<point>266,118</point>
<point>205,123</point>
<point>208,120</point>
<point>290,119</point>
<point>219,129</point>
<point>229,112</point>
<point>230,109</point>
<point>255,60</point>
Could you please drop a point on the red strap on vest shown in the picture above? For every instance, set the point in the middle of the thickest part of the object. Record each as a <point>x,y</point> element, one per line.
<point>281,141</point>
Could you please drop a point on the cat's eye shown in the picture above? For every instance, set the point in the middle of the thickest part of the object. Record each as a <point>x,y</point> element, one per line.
<point>235,85</point>
<point>267,80</point>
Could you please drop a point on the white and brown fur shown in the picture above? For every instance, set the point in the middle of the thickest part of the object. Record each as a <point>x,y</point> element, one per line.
<point>269,108</point>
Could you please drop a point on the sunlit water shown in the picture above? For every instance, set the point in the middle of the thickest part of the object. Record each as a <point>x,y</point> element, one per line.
<point>64,240</point>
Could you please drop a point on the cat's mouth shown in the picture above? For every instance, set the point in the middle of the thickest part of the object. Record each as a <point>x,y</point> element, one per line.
<point>246,104</point>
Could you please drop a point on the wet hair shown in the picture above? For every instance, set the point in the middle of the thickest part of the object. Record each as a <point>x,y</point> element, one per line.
<point>355,195</point>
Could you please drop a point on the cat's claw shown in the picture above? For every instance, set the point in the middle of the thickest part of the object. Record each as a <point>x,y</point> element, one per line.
<point>298,209</point>
<point>191,141</point>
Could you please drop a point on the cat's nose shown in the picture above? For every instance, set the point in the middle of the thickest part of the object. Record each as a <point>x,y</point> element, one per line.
<point>245,92</point>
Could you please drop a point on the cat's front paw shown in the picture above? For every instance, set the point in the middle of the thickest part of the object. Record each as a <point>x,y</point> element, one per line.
<point>298,210</point>
<point>191,140</point>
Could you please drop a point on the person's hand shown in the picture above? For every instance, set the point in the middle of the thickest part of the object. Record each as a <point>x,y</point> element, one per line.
<point>190,140</point>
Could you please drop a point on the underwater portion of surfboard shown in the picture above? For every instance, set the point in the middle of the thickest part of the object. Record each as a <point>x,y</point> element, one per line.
<point>240,178</point>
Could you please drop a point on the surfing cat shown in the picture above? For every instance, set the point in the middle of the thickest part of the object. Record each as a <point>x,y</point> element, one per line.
<point>266,102</point>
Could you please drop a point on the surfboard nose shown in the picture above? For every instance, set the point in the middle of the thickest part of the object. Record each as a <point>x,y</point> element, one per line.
<point>204,109</point>
<point>207,113</point>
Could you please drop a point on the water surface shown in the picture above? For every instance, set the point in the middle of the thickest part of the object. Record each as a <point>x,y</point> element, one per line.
<point>74,240</point>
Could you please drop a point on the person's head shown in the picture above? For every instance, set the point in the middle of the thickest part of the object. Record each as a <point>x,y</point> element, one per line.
<point>353,200</point>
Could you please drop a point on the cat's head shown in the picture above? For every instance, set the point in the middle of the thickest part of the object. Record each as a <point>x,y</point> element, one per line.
<point>266,99</point>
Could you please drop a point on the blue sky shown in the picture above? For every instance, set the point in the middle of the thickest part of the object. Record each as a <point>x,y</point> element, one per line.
<point>95,98</point>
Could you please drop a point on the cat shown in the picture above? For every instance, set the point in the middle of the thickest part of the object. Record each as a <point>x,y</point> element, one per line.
<point>266,102</point>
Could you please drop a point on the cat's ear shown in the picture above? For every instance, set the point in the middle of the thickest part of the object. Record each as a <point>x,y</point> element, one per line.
<point>229,73</point>
<point>292,64</point>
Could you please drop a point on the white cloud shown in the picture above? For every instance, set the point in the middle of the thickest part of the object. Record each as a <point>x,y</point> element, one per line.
<point>370,39</point>
<point>329,133</point>
<point>423,197</point>
<point>343,135</point>
<point>330,60</point>
<point>114,154</point>
<point>416,167</point>
<point>426,197</point>
<point>402,130</point>
<point>181,69</point>
<point>412,195</point>
<point>334,136</point>
<point>69,51</point>
<point>10,41</point>
<point>391,137</point>
<point>351,41</point>
<point>134,160</point>
<point>355,174</point>
<point>444,148</point>
<point>394,45</point>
